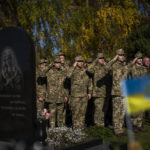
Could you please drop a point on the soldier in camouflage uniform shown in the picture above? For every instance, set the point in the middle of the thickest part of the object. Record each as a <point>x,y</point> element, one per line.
<point>81,90</point>
<point>99,87</point>
<point>64,63</point>
<point>40,86</point>
<point>88,62</point>
<point>119,71</point>
<point>107,60</point>
<point>56,93</point>
<point>90,106</point>
<point>138,70</point>
<point>108,102</point>
<point>147,64</point>
<point>65,66</point>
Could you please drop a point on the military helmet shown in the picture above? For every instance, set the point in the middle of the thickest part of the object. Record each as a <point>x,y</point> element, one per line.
<point>88,60</point>
<point>42,61</point>
<point>138,55</point>
<point>79,58</point>
<point>100,55</point>
<point>60,54</point>
<point>57,60</point>
<point>120,52</point>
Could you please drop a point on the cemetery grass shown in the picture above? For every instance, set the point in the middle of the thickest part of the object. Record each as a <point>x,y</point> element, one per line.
<point>107,134</point>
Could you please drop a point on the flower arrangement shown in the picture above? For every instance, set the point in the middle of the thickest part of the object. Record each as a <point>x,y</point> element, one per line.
<point>64,136</point>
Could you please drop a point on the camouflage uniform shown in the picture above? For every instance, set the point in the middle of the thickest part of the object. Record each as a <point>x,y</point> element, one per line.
<point>56,93</point>
<point>80,86</point>
<point>90,107</point>
<point>147,113</point>
<point>108,102</point>
<point>107,60</point>
<point>119,71</point>
<point>40,87</point>
<point>65,67</point>
<point>138,71</point>
<point>148,70</point>
<point>88,62</point>
<point>99,89</point>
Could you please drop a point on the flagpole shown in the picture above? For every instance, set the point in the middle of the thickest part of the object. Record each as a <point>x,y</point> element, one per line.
<point>128,123</point>
<point>133,145</point>
<point>127,116</point>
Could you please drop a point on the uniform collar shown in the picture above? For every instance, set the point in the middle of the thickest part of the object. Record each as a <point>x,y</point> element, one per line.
<point>57,68</point>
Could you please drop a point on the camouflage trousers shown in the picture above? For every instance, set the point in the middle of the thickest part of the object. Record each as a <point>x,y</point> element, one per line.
<point>39,106</point>
<point>78,108</point>
<point>137,120</point>
<point>59,116</point>
<point>99,111</point>
<point>118,114</point>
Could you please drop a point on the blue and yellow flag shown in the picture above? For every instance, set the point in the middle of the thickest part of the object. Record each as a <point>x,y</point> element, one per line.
<point>137,93</point>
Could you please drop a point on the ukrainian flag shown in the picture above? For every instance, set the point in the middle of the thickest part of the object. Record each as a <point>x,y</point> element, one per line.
<point>136,92</point>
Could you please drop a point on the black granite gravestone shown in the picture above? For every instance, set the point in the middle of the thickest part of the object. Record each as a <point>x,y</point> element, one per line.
<point>17,85</point>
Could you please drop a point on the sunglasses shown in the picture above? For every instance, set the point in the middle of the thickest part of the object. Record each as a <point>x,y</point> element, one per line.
<point>121,55</point>
<point>79,61</point>
<point>57,62</point>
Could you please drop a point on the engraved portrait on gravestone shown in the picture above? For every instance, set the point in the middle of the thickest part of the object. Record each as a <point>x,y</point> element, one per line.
<point>11,77</point>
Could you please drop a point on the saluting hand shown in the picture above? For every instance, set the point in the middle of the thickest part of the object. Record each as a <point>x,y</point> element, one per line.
<point>66,99</point>
<point>116,57</point>
<point>41,99</point>
<point>89,96</point>
<point>75,64</point>
<point>51,64</point>
<point>134,60</point>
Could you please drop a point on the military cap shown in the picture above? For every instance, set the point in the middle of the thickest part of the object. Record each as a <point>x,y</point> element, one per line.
<point>88,60</point>
<point>60,54</point>
<point>100,55</point>
<point>138,55</point>
<point>79,58</point>
<point>120,52</point>
<point>46,60</point>
<point>42,61</point>
<point>57,60</point>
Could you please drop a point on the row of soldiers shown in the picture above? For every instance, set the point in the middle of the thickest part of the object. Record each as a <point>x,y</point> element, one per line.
<point>59,85</point>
